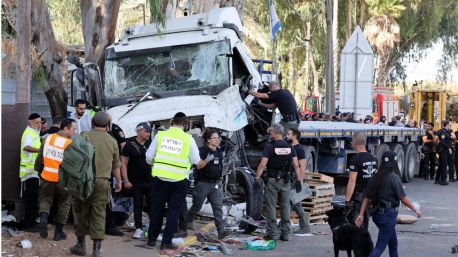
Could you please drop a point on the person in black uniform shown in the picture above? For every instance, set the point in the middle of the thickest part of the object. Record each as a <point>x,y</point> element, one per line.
<point>445,151</point>
<point>362,167</point>
<point>278,157</point>
<point>111,218</point>
<point>283,100</point>
<point>428,163</point>
<point>208,182</point>
<point>384,193</point>
<point>136,172</point>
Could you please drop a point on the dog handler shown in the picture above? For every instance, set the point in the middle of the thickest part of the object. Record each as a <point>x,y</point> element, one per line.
<point>384,193</point>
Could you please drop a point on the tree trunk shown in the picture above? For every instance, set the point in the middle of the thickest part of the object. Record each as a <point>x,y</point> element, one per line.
<point>348,19</point>
<point>361,12</point>
<point>99,26</point>
<point>308,55</point>
<point>382,69</point>
<point>24,67</point>
<point>46,44</point>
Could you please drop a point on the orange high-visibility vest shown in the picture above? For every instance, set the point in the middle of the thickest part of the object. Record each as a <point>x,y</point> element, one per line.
<point>53,154</point>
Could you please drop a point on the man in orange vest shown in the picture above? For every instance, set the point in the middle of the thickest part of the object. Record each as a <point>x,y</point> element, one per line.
<point>47,163</point>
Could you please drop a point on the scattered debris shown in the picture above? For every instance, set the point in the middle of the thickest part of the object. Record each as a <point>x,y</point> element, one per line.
<point>406,219</point>
<point>434,226</point>
<point>26,244</point>
<point>261,245</point>
<point>225,249</point>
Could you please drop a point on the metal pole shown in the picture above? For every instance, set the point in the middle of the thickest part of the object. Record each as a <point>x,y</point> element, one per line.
<point>330,91</point>
<point>274,61</point>
<point>144,15</point>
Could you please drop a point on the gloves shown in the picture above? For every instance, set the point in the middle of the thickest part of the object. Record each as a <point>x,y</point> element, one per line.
<point>209,158</point>
<point>298,186</point>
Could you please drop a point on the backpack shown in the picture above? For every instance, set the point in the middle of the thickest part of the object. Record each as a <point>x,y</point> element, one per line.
<point>75,171</point>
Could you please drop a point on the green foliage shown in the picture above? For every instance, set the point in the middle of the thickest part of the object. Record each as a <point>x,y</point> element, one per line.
<point>39,76</point>
<point>384,7</point>
<point>66,21</point>
<point>157,15</point>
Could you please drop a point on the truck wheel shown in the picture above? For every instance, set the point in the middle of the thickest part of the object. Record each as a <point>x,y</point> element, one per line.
<point>411,162</point>
<point>254,198</point>
<point>397,148</point>
<point>309,160</point>
<point>379,152</point>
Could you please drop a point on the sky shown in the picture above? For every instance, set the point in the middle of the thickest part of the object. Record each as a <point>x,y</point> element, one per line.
<point>426,69</point>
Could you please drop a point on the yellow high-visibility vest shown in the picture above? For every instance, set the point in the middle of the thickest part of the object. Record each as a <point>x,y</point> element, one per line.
<point>172,155</point>
<point>28,159</point>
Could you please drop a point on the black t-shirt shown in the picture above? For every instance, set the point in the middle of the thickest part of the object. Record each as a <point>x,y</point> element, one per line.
<point>138,170</point>
<point>445,139</point>
<point>213,169</point>
<point>285,101</point>
<point>365,164</point>
<point>118,134</point>
<point>429,137</point>
<point>300,151</point>
<point>268,151</point>
<point>392,190</point>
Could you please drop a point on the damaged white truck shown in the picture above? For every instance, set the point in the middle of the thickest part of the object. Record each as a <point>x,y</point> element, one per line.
<point>197,65</point>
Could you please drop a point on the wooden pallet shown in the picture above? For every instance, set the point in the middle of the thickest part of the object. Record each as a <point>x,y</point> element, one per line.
<point>317,218</point>
<point>315,200</point>
<point>319,177</point>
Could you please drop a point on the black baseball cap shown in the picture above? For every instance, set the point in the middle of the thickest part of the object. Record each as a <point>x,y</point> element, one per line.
<point>389,159</point>
<point>307,116</point>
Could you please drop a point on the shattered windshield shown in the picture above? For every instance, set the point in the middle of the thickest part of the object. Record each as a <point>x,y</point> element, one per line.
<point>182,68</point>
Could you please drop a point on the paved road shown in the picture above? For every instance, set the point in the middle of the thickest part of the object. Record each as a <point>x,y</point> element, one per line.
<point>440,206</point>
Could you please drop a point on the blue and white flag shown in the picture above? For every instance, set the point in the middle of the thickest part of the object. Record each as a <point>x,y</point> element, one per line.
<point>275,25</point>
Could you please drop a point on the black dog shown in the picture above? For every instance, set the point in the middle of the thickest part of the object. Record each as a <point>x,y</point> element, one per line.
<point>348,237</point>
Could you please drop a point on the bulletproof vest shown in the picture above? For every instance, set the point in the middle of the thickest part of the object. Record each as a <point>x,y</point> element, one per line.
<point>213,170</point>
<point>445,139</point>
<point>280,163</point>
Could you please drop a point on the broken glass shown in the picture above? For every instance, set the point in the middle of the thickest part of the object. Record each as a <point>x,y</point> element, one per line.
<point>201,67</point>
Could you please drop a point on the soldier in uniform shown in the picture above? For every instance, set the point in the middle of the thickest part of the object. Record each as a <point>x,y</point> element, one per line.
<point>445,138</point>
<point>279,158</point>
<point>91,212</point>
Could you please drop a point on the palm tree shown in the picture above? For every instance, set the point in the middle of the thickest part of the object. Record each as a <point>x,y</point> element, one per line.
<point>383,33</point>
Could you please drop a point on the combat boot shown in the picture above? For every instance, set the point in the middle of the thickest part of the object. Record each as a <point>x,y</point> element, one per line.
<point>284,236</point>
<point>59,233</point>
<point>97,248</point>
<point>43,227</point>
<point>80,247</point>
<point>223,233</point>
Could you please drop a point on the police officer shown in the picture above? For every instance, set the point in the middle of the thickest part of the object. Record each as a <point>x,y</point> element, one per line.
<point>47,164</point>
<point>171,154</point>
<point>279,158</point>
<point>208,182</point>
<point>30,145</point>
<point>445,138</point>
<point>362,167</point>
<point>427,163</point>
<point>91,212</point>
<point>283,100</point>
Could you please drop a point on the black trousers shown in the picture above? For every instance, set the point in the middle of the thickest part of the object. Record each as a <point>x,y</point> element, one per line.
<point>428,164</point>
<point>162,192</point>
<point>140,190</point>
<point>30,191</point>
<point>451,165</point>
<point>445,161</point>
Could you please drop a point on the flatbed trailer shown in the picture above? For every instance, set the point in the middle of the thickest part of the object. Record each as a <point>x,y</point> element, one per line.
<point>328,145</point>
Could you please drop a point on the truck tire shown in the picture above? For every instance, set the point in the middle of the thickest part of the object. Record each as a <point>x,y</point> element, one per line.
<point>379,152</point>
<point>254,198</point>
<point>309,159</point>
<point>411,162</point>
<point>398,149</point>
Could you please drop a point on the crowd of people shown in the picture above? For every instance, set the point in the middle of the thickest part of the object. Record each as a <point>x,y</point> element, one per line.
<point>157,169</point>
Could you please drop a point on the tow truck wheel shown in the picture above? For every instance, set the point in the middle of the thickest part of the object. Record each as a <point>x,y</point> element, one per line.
<point>397,148</point>
<point>411,162</point>
<point>254,198</point>
<point>380,150</point>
